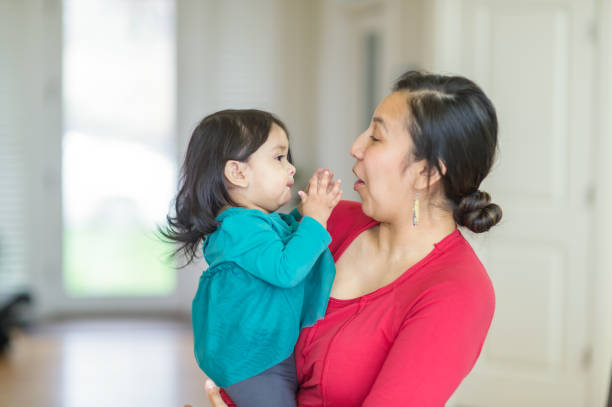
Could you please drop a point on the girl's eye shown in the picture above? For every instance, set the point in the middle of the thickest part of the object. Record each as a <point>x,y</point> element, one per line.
<point>279,158</point>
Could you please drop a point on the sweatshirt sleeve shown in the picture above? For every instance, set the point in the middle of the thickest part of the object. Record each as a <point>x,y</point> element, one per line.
<point>292,217</point>
<point>436,347</point>
<point>258,249</point>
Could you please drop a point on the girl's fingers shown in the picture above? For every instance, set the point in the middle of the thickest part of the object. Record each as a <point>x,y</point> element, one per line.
<point>302,195</point>
<point>212,391</point>
<point>337,198</point>
<point>314,174</point>
<point>331,181</point>
<point>324,182</point>
<point>321,174</point>
<point>314,183</point>
<point>336,187</point>
<point>336,193</point>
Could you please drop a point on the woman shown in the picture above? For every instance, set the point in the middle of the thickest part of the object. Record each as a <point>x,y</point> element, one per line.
<point>411,303</point>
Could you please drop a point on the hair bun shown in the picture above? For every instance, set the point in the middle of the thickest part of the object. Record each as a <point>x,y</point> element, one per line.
<point>477,213</point>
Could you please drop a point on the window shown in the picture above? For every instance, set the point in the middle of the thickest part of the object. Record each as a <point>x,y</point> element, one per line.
<point>119,147</point>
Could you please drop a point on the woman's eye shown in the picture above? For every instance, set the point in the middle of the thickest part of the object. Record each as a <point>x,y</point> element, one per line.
<point>374,138</point>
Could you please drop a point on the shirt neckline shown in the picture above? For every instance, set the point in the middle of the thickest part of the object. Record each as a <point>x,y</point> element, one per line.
<point>439,248</point>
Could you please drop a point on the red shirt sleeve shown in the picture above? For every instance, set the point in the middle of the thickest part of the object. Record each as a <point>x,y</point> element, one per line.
<point>437,345</point>
<point>346,220</point>
<point>227,399</point>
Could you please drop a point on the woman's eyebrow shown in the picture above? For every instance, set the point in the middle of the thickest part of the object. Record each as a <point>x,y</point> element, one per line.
<point>380,121</point>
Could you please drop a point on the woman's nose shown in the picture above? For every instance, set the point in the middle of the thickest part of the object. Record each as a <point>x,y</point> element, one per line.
<point>357,147</point>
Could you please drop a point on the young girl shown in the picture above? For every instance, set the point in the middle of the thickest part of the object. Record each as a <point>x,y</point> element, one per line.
<point>269,274</point>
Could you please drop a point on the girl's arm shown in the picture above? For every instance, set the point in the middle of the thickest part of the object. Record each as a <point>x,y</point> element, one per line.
<point>257,248</point>
<point>285,263</point>
<point>292,217</point>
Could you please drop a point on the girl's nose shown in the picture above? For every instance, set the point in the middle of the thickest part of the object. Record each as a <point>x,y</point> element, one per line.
<point>291,170</point>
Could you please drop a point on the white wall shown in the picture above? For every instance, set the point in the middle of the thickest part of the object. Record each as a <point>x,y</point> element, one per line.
<point>242,54</point>
<point>12,151</point>
<point>33,32</point>
<point>405,43</point>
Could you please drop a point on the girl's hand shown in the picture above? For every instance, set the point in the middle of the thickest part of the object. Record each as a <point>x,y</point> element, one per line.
<point>321,196</point>
<point>212,391</point>
<point>319,173</point>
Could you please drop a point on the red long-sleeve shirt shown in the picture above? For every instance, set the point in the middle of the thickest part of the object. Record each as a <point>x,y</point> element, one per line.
<point>409,343</point>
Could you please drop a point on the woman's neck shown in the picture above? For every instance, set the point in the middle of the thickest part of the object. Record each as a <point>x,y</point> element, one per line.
<point>399,238</point>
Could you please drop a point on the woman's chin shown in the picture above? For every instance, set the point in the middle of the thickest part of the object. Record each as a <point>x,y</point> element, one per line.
<point>366,206</point>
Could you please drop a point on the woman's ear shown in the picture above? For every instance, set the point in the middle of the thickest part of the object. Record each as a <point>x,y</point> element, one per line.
<point>236,173</point>
<point>428,176</point>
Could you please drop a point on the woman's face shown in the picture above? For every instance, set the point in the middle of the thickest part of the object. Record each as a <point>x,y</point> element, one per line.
<point>385,169</point>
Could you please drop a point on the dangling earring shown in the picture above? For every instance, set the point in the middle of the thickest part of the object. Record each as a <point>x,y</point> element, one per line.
<point>415,210</point>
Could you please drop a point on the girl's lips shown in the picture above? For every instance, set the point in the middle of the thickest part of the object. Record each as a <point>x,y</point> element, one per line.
<point>358,183</point>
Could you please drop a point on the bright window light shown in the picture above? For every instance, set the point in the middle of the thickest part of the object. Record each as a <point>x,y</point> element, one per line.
<point>119,147</point>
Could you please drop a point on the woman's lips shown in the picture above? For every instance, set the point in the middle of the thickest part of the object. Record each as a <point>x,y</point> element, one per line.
<point>359,181</point>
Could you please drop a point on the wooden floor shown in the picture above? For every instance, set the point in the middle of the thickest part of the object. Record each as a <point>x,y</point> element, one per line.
<point>101,362</point>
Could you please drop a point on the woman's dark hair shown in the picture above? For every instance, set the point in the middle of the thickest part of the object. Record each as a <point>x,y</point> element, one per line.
<point>453,123</point>
<point>219,137</point>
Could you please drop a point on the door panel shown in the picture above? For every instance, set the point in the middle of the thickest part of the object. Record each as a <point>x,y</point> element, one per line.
<point>535,60</point>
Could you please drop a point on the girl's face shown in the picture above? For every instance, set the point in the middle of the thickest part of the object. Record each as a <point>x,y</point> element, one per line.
<point>385,169</point>
<point>270,174</point>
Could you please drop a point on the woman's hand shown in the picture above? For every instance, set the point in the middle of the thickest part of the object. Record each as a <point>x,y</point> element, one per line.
<point>321,196</point>
<point>212,391</point>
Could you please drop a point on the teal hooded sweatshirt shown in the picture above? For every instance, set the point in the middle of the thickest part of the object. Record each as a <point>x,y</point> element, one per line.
<point>268,276</point>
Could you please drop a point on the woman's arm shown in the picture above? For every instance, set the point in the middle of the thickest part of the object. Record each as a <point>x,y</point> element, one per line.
<point>436,347</point>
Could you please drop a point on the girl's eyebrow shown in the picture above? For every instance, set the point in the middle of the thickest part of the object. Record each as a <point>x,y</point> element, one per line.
<point>282,147</point>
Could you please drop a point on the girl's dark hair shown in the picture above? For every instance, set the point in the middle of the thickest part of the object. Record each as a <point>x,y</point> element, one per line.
<point>452,122</point>
<point>219,137</point>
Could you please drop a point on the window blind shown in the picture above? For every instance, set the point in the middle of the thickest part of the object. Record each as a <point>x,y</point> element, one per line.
<point>12,187</point>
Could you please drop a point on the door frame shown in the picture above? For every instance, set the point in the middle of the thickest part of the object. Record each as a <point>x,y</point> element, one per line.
<point>43,49</point>
<point>602,318</point>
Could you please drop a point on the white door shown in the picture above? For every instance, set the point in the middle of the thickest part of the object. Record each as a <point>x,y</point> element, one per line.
<point>535,59</point>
